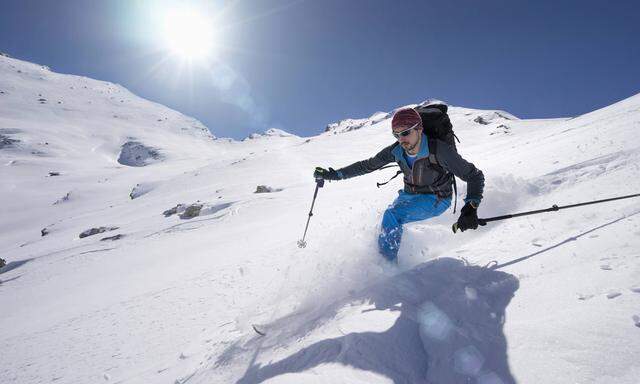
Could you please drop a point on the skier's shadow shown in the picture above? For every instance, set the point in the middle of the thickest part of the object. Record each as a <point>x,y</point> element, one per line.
<point>450,329</point>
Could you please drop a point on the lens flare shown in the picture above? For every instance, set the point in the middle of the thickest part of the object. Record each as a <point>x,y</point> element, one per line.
<point>188,34</point>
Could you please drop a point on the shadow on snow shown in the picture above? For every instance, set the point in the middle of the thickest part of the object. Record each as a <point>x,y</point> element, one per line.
<point>449,330</point>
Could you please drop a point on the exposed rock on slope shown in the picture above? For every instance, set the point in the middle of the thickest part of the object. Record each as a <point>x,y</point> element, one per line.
<point>136,154</point>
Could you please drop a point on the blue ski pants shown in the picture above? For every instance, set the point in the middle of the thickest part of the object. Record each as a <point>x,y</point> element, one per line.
<point>406,208</point>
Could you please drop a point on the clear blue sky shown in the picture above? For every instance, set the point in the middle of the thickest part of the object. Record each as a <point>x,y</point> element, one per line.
<point>299,65</point>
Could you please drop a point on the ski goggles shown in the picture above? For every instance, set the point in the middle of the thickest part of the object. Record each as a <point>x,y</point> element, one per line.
<point>406,132</point>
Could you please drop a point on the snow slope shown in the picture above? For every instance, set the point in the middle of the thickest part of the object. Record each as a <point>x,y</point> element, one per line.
<point>550,298</point>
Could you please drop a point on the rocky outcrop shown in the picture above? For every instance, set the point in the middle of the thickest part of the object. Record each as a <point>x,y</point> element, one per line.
<point>113,238</point>
<point>7,142</point>
<point>141,189</point>
<point>94,231</point>
<point>136,154</point>
<point>171,211</point>
<point>63,199</point>
<point>184,211</point>
<point>189,211</point>
<point>489,117</point>
<point>266,189</point>
<point>501,129</point>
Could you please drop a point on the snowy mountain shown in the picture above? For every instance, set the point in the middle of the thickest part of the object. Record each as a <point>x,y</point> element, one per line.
<point>272,132</point>
<point>188,242</point>
<point>347,125</point>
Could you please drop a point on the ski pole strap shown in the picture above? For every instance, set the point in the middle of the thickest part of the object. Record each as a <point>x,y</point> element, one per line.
<point>388,181</point>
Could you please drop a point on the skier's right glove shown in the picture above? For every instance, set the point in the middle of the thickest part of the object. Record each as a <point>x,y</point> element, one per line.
<point>469,218</point>
<point>326,174</point>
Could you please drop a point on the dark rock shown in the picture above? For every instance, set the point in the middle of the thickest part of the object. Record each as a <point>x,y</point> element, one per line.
<point>2,263</point>
<point>6,142</point>
<point>501,129</point>
<point>63,199</point>
<point>136,154</point>
<point>480,120</point>
<point>265,189</point>
<point>141,189</point>
<point>44,231</point>
<point>94,231</point>
<point>113,238</point>
<point>170,212</point>
<point>53,173</point>
<point>191,211</point>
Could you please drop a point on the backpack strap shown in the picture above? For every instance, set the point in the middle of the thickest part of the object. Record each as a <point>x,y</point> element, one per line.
<point>455,195</point>
<point>433,159</point>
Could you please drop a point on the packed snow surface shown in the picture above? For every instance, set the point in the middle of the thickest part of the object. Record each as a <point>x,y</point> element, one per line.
<point>185,274</point>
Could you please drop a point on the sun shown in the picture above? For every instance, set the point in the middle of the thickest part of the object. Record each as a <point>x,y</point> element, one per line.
<point>188,34</point>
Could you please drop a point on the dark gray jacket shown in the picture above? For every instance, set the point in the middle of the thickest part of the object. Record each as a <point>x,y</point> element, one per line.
<point>425,177</point>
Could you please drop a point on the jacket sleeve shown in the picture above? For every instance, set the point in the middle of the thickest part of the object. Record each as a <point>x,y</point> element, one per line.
<point>359,168</point>
<point>451,161</point>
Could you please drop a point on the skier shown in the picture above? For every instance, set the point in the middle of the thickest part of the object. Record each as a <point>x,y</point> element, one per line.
<point>427,188</point>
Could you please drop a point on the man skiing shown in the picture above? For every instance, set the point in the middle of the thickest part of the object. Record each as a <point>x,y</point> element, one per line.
<point>427,186</point>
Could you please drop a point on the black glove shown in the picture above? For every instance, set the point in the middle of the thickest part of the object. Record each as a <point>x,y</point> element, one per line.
<point>469,218</point>
<point>326,174</point>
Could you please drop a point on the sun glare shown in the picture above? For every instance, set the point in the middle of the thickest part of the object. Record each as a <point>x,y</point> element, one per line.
<point>188,34</point>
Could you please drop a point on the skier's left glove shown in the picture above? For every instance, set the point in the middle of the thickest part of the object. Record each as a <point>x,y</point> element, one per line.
<point>469,217</point>
<point>326,174</point>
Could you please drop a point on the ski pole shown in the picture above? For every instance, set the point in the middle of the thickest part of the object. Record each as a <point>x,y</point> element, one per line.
<point>552,209</point>
<point>319,184</point>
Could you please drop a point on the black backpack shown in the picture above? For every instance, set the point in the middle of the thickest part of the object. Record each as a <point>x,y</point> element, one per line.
<point>436,124</point>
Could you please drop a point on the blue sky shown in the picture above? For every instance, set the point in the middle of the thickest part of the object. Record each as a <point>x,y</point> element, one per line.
<point>299,65</point>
